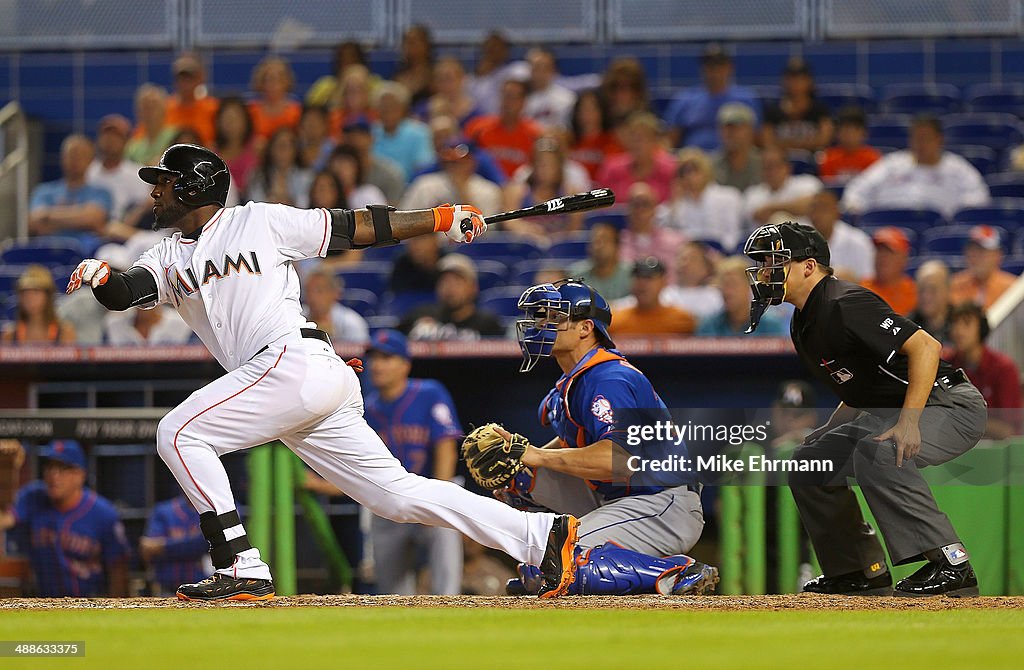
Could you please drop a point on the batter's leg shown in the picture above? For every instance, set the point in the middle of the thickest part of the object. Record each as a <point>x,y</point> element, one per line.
<point>350,455</point>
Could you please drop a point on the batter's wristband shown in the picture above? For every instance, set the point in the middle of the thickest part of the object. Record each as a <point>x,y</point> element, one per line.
<point>444,216</point>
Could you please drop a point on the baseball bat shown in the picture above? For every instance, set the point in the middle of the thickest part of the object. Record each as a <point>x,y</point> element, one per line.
<point>579,202</point>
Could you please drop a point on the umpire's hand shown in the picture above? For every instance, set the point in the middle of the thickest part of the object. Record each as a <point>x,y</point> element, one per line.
<point>906,437</point>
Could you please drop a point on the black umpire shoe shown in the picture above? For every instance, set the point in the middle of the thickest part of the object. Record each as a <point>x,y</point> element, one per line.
<point>559,565</point>
<point>851,584</point>
<point>940,578</point>
<point>222,587</point>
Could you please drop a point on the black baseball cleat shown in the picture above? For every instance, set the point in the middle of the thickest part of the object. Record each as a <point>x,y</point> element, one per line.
<point>940,578</point>
<point>851,584</point>
<point>559,565</point>
<point>222,587</point>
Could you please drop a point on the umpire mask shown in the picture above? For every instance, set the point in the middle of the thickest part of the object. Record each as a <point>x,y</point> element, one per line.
<point>772,248</point>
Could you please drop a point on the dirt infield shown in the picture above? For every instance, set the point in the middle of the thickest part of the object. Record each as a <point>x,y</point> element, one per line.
<point>780,602</point>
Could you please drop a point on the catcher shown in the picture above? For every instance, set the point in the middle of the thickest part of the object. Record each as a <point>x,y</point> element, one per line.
<point>632,539</point>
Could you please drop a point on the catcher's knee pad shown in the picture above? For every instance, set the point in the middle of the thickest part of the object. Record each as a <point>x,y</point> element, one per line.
<point>517,493</point>
<point>609,569</point>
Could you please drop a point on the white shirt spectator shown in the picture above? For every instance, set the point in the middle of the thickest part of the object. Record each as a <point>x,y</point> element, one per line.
<point>898,181</point>
<point>347,325</point>
<point>486,90</point>
<point>852,251</point>
<point>575,177</point>
<point>795,186</point>
<point>552,107</point>
<point>716,215</point>
<point>170,329</point>
<point>122,182</point>
<point>701,301</point>
<point>436,188</point>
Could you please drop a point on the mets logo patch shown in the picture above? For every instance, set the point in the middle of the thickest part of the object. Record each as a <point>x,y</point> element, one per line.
<point>602,409</point>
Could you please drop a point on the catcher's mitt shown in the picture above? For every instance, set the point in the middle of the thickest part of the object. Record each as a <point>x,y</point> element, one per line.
<point>492,459</point>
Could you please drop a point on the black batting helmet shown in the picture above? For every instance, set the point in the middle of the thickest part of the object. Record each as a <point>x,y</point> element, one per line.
<point>202,177</point>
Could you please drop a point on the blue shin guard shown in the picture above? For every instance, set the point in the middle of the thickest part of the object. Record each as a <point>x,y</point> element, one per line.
<point>609,569</point>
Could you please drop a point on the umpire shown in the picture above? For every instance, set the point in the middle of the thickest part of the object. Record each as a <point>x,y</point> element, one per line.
<point>901,408</point>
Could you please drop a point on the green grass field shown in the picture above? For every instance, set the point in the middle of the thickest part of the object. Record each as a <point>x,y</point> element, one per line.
<point>396,637</point>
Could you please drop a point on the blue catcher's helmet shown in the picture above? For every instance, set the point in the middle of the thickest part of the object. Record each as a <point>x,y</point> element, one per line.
<point>549,308</point>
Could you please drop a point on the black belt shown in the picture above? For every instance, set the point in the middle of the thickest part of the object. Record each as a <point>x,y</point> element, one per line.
<point>312,333</point>
<point>954,378</point>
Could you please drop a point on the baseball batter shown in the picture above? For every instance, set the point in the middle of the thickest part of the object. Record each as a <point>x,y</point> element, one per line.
<point>634,533</point>
<point>228,272</point>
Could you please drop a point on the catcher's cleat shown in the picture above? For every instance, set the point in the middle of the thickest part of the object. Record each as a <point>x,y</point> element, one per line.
<point>851,584</point>
<point>939,578</point>
<point>695,579</point>
<point>559,564</point>
<point>222,587</point>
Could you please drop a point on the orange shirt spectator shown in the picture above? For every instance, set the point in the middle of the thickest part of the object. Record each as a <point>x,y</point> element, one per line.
<point>649,316</point>
<point>592,137</point>
<point>592,151</point>
<point>190,107</point>
<point>838,162</point>
<point>982,281</point>
<point>901,294</point>
<point>273,81</point>
<point>508,136</point>
<point>265,123</point>
<point>892,250</point>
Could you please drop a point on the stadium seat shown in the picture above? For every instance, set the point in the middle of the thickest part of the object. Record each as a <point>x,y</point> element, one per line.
<point>8,307</point>
<point>523,273</point>
<point>1005,98</point>
<point>382,253</point>
<point>768,94</point>
<point>1006,184</point>
<point>997,131</point>
<point>948,240</point>
<point>9,277</point>
<point>501,247</point>
<point>617,219</point>
<point>954,263</point>
<point>361,300</point>
<point>43,250</point>
<point>918,220</point>
<point>370,276</point>
<point>398,304</point>
<point>890,130</point>
<point>381,321</point>
<point>1007,213</point>
<point>490,274</point>
<point>837,96</point>
<point>912,235</point>
<point>984,159</point>
<point>802,162</point>
<point>1018,243</point>
<point>1013,264</point>
<point>576,249</point>
<point>920,98</point>
<point>502,301</point>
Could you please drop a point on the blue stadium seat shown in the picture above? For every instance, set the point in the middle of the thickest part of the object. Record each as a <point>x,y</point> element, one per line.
<point>997,131</point>
<point>1018,243</point>
<point>575,248</point>
<point>398,304</point>
<point>502,301</point>
<point>361,300</point>
<point>501,247</point>
<point>55,251</point>
<point>523,273</point>
<point>912,235</point>
<point>768,94</point>
<point>984,159</point>
<point>1006,184</point>
<point>918,220</point>
<point>920,98</point>
<point>9,277</point>
<point>381,321</point>
<point>8,307</point>
<point>1007,213</point>
<point>802,162</point>
<point>370,276</point>
<point>948,240</point>
<point>1014,264</point>
<point>617,219</point>
<point>1007,98</point>
<point>382,253</point>
<point>890,130</point>
<point>837,96</point>
<point>490,274</point>
<point>954,263</point>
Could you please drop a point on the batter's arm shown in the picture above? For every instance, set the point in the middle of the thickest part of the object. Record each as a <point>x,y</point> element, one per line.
<point>601,461</point>
<point>378,225</point>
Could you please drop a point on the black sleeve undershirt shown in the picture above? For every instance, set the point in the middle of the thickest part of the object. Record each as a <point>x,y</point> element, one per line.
<point>127,289</point>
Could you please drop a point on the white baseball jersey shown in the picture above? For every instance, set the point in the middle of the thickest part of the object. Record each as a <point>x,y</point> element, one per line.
<point>235,285</point>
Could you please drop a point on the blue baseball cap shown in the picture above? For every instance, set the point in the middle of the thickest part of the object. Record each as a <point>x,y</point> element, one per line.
<point>67,452</point>
<point>390,342</point>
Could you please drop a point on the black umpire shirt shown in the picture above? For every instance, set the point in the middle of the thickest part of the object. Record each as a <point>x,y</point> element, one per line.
<point>850,338</point>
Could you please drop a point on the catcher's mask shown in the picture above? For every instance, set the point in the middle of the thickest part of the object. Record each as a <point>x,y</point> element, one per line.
<point>550,308</point>
<point>772,248</point>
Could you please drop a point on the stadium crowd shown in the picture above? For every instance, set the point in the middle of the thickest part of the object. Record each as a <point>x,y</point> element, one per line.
<point>922,222</point>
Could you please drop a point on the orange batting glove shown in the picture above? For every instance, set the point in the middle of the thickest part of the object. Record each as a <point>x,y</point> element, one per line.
<point>90,271</point>
<point>461,223</point>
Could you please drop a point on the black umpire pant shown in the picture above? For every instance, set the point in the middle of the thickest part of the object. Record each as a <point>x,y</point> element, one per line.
<point>953,421</point>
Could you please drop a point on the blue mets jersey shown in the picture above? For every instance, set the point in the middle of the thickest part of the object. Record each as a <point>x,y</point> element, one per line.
<point>414,422</point>
<point>68,549</point>
<point>185,548</point>
<point>599,399</point>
